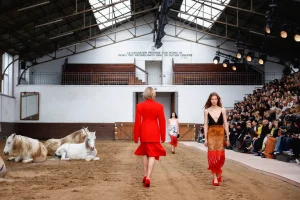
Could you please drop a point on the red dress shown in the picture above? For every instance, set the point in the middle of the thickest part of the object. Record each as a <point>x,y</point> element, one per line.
<point>215,144</point>
<point>150,127</point>
<point>174,141</point>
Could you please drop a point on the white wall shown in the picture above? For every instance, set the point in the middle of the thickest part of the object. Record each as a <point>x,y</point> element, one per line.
<point>109,104</point>
<point>7,108</point>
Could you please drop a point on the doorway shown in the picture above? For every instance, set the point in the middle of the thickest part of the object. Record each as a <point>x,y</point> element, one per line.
<point>154,69</point>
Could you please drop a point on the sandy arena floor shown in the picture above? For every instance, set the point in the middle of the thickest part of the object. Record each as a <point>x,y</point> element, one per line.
<point>118,175</point>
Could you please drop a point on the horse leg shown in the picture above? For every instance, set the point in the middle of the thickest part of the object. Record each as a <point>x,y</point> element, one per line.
<point>18,159</point>
<point>63,156</point>
<point>27,160</point>
<point>11,158</point>
<point>89,158</point>
<point>94,154</point>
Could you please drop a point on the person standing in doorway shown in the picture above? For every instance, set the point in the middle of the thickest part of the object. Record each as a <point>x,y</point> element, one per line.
<point>215,121</point>
<point>173,131</point>
<point>150,128</point>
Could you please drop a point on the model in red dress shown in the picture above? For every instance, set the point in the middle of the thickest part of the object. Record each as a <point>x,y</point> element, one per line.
<point>215,122</point>
<point>173,131</point>
<point>150,128</point>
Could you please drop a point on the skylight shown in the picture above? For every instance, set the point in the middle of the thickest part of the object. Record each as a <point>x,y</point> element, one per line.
<point>111,12</point>
<point>204,9</point>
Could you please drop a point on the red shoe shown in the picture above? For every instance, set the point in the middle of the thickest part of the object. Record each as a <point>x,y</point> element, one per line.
<point>219,178</point>
<point>147,183</point>
<point>144,179</point>
<point>215,184</point>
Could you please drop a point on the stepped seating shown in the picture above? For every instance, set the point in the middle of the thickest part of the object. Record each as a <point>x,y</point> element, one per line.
<point>211,74</point>
<point>100,74</point>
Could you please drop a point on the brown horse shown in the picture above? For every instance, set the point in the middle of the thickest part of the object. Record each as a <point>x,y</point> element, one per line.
<point>76,137</point>
<point>27,149</point>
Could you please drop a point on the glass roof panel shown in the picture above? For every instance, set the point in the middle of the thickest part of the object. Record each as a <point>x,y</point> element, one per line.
<point>204,9</point>
<point>103,15</point>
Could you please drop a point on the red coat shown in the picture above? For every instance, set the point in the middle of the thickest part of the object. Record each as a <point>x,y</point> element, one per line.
<point>150,122</point>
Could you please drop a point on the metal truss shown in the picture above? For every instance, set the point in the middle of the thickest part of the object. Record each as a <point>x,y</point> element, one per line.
<point>225,34</point>
<point>232,7</point>
<point>88,28</point>
<point>84,31</point>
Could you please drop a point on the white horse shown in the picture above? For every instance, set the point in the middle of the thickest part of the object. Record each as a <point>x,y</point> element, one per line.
<point>75,137</point>
<point>2,167</point>
<point>85,150</point>
<point>27,149</point>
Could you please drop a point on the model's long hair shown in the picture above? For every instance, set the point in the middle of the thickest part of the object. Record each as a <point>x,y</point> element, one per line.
<point>208,102</point>
<point>175,115</point>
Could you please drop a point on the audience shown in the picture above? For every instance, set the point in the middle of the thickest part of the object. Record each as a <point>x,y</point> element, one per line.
<point>267,122</point>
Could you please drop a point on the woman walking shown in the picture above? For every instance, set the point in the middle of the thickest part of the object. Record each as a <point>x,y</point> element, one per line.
<point>150,128</point>
<point>215,121</point>
<point>173,131</point>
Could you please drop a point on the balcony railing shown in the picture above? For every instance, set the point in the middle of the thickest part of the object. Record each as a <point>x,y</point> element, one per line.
<point>217,78</point>
<point>84,78</point>
<point>132,78</point>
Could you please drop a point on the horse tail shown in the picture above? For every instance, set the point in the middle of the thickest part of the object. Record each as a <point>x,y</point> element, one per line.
<point>52,145</point>
<point>41,154</point>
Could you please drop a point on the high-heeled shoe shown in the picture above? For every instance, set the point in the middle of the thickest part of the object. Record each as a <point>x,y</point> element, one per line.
<point>215,184</point>
<point>219,179</point>
<point>144,179</point>
<point>147,183</point>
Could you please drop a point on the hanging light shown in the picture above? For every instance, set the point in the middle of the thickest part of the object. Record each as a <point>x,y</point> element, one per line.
<point>250,56</point>
<point>234,68</point>
<point>262,59</point>
<point>240,53</point>
<point>216,59</point>
<point>225,63</point>
<point>269,25</point>
<point>283,32</point>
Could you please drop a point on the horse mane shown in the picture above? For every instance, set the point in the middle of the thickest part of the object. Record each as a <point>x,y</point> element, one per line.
<point>75,137</point>
<point>86,143</point>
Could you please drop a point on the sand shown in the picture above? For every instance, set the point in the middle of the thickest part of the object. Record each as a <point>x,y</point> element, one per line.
<point>118,175</point>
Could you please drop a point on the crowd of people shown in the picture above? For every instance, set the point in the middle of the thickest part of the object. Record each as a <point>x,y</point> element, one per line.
<point>267,122</point>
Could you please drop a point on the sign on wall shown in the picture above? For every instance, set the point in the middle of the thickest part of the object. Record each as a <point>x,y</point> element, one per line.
<point>155,54</point>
